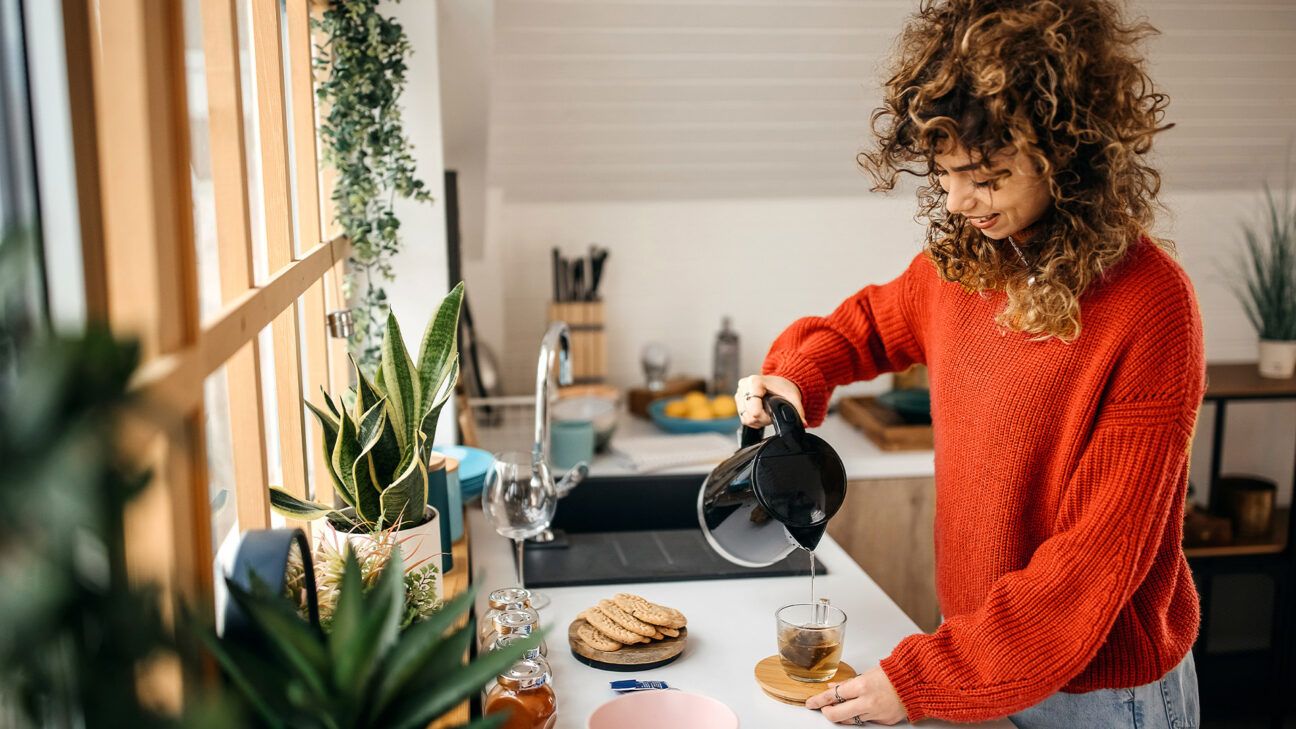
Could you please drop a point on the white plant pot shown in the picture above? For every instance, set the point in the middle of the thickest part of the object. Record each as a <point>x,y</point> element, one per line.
<point>420,546</point>
<point>1277,359</point>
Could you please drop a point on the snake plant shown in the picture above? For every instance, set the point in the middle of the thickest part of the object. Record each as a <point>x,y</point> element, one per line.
<point>378,450</point>
<point>366,671</point>
<point>1268,289</point>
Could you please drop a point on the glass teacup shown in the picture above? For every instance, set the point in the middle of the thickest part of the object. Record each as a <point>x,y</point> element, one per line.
<point>810,638</point>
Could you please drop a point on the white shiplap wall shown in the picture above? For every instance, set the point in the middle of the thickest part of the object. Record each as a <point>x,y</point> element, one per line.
<point>668,99</point>
<point>710,144</point>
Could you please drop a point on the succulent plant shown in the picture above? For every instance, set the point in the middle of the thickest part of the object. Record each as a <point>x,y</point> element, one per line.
<point>330,560</point>
<point>365,672</point>
<point>378,451</point>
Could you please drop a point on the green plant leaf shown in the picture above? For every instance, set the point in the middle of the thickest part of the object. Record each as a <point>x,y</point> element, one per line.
<point>403,502</point>
<point>488,722</point>
<point>365,625</point>
<point>439,348</point>
<point>294,508</point>
<point>415,647</point>
<point>258,681</point>
<point>444,681</point>
<point>366,393</point>
<point>329,432</point>
<point>385,456</point>
<point>337,417</point>
<point>296,641</point>
<point>401,385</point>
<point>371,425</point>
<point>429,426</point>
<point>345,453</point>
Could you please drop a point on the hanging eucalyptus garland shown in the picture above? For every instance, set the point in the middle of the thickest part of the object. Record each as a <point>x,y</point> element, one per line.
<point>362,74</point>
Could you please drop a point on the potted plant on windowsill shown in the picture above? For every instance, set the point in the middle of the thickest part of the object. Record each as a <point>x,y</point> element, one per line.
<point>1268,292</point>
<point>380,451</point>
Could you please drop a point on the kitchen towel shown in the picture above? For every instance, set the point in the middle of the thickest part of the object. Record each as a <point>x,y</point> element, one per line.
<point>656,452</point>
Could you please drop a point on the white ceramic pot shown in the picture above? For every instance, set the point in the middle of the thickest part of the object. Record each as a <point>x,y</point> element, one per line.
<point>420,546</point>
<point>1277,359</point>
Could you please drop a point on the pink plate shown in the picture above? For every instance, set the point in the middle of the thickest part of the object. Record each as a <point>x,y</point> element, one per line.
<point>663,710</point>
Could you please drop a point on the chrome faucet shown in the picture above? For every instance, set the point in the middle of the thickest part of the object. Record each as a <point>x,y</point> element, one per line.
<point>555,344</point>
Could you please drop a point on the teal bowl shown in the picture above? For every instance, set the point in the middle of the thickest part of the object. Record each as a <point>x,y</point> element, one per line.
<point>913,405</point>
<point>657,411</point>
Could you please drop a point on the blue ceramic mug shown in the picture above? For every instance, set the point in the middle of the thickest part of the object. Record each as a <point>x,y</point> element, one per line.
<point>570,442</point>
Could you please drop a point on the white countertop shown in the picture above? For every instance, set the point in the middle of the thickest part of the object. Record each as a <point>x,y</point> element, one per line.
<point>731,628</point>
<point>862,459</point>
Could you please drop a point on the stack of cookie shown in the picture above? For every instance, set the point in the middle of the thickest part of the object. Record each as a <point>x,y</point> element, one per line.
<point>628,620</point>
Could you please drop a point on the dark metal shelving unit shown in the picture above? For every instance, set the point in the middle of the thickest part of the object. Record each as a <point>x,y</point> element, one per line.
<point>1272,556</point>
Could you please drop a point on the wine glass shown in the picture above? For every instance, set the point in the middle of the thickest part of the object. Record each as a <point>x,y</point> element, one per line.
<point>520,499</point>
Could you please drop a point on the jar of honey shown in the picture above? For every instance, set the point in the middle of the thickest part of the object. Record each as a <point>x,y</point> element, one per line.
<point>523,693</point>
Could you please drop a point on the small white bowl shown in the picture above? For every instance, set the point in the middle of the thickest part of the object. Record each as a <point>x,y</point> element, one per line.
<point>663,710</point>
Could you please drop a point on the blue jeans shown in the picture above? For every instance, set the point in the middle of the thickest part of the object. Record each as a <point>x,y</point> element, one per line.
<point>1170,703</point>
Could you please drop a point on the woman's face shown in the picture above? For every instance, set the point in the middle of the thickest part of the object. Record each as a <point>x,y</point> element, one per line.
<point>999,199</point>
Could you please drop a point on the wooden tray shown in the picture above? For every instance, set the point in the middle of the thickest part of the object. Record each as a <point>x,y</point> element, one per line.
<point>884,426</point>
<point>778,685</point>
<point>630,658</point>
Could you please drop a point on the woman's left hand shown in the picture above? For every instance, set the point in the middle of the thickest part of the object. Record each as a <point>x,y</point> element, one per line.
<point>868,696</point>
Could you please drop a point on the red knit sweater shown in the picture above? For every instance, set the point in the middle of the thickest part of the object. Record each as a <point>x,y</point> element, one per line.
<point>1061,472</point>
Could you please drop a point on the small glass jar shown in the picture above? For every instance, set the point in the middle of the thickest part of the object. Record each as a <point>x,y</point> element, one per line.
<point>507,598</point>
<point>532,654</point>
<point>515,622</point>
<point>523,693</point>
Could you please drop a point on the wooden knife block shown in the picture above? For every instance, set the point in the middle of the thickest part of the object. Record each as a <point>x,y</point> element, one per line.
<point>588,339</point>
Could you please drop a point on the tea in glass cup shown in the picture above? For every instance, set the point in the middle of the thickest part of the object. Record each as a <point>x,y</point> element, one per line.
<point>810,638</point>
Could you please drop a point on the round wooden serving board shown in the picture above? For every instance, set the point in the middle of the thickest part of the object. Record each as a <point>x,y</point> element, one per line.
<point>630,658</point>
<point>774,681</point>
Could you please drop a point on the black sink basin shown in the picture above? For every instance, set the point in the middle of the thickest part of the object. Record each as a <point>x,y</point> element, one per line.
<point>621,529</point>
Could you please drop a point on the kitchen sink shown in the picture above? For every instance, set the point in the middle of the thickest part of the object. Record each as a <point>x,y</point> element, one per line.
<point>620,529</point>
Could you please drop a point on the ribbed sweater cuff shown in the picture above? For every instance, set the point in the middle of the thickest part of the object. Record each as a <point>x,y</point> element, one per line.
<point>807,377</point>
<point>905,684</point>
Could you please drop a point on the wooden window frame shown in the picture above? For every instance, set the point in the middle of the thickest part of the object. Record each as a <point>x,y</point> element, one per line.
<point>131,145</point>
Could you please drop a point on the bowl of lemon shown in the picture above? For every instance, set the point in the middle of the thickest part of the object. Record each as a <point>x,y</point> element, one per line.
<point>696,413</point>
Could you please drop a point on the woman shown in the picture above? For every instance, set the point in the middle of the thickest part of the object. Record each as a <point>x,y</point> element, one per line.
<point>1066,364</point>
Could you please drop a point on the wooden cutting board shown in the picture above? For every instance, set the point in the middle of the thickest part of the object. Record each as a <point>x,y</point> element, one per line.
<point>884,426</point>
<point>630,658</point>
<point>774,681</point>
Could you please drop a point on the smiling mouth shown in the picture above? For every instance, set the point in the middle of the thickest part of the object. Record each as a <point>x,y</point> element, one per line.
<point>984,221</point>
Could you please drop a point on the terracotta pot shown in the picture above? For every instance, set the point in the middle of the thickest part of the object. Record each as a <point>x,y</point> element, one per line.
<point>419,545</point>
<point>1277,359</point>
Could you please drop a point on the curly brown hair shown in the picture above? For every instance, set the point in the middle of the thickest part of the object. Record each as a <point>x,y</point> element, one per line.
<point>1060,81</point>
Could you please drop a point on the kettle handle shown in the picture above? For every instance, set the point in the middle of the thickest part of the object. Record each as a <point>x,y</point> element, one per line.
<point>785,417</point>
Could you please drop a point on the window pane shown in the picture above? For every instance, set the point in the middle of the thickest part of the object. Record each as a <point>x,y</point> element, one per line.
<point>200,168</point>
<point>220,457</point>
<point>22,295</point>
<point>256,194</point>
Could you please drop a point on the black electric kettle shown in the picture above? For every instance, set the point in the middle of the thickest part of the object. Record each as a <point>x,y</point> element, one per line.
<point>775,494</point>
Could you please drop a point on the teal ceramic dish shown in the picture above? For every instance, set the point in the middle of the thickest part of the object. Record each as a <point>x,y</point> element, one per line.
<point>657,411</point>
<point>912,405</point>
<point>473,465</point>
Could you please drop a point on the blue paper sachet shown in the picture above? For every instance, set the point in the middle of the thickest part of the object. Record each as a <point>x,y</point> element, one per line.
<point>631,684</point>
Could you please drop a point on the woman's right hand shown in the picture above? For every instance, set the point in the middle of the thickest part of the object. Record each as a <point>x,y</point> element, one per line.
<point>751,389</point>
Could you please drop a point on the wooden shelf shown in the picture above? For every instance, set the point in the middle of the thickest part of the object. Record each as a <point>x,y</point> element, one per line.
<point>1272,543</point>
<point>1242,380</point>
<point>456,581</point>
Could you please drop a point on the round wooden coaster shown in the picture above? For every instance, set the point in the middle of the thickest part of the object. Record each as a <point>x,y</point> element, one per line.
<point>636,657</point>
<point>775,682</point>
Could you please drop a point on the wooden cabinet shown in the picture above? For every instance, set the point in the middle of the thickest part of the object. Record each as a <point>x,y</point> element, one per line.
<point>886,527</point>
